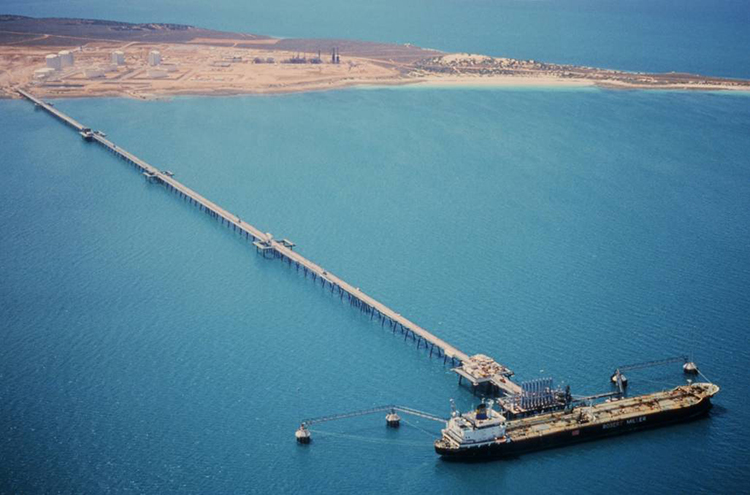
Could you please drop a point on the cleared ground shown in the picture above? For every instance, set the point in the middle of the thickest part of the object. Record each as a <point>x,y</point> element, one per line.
<point>204,62</point>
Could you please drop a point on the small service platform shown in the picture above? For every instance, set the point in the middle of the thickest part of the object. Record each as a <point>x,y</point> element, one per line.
<point>480,369</point>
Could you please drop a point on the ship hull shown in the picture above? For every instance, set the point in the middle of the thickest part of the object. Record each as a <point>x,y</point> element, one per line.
<point>585,432</point>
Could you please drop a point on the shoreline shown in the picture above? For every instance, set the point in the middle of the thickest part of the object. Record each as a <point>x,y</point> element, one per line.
<point>199,62</point>
<point>496,83</point>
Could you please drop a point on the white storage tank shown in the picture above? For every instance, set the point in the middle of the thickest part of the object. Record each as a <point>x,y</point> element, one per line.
<point>118,58</point>
<point>53,61</point>
<point>154,58</point>
<point>66,58</point>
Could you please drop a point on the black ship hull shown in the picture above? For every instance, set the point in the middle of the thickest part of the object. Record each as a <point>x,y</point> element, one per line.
<point>585,432</point>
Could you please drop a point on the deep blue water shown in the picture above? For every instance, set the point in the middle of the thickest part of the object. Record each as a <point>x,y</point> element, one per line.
<point>146,348</point>
<point>699,36</point>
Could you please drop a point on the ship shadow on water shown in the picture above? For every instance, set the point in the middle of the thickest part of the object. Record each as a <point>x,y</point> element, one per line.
<point>718,410</point>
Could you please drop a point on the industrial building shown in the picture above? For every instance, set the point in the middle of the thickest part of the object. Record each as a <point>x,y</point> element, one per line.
<point>93,73</point>
<point>157,73</point>
<point>44,73</point>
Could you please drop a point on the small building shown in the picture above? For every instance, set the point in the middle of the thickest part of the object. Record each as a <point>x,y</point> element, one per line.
<point>44,73</point>
<point>53,61</point>
<point>66,58</point>
<point>118,58</point>
<point>154,58</point>
<point>157,73</point>
<point>93,73</point>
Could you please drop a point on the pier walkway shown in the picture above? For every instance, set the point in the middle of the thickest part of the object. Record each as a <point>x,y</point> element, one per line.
<point>477,369</point>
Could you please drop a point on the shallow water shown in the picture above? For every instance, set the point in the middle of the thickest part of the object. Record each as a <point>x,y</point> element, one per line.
<point>146,348</point>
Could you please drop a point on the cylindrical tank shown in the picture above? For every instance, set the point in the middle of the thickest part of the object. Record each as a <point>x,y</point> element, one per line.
<point>66,58</point>
<point>53,61</point>
<point>154,58</point>
<point>118,57</point>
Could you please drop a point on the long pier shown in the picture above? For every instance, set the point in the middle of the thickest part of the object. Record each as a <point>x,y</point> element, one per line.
<point>477,369</point>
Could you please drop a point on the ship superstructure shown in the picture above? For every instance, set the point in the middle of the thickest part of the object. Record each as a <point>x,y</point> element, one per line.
<point>477,427</point>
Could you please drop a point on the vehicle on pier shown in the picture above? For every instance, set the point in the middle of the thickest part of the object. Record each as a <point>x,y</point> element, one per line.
<point>86,134</point>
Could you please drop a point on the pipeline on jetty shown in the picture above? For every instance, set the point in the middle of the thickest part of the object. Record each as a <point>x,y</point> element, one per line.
<point>392,419</point>
<point>390,408</point>
<point>477,369</point>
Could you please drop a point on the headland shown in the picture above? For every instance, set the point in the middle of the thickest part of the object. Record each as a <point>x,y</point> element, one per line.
<point>91,58</point>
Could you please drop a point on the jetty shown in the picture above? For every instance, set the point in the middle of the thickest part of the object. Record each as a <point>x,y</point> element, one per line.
<point>478,370</point>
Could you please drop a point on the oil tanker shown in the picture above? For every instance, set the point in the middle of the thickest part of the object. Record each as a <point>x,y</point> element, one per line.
<point>486,433</point>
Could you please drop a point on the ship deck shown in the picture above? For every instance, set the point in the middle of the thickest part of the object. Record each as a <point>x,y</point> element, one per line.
<point>608,412</point>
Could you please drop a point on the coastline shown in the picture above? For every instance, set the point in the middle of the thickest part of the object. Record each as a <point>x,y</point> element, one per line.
<point>499,83</point>
<point>198,62</point>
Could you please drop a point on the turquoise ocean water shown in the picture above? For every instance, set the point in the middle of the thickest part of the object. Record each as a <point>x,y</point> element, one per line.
<point>145,348</point>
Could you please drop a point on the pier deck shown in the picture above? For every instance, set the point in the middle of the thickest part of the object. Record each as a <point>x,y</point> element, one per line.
<point>477,369</point>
